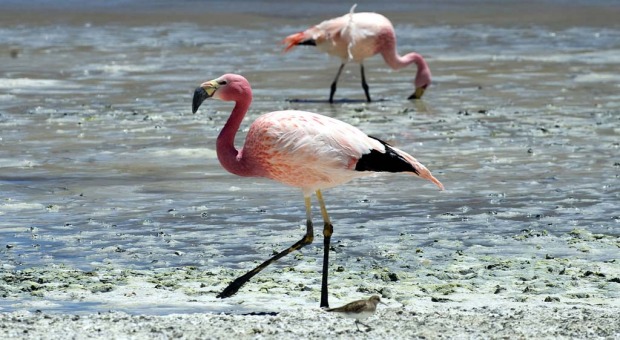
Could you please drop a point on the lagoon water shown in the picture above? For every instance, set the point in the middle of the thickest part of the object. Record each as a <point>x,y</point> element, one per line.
<point>102,163</point>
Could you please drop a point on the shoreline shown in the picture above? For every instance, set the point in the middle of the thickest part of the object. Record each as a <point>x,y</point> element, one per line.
<point>180,302</point>
<point>437,321</point>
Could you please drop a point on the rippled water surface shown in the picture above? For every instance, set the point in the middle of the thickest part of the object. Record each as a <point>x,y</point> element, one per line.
<point>102,161</point>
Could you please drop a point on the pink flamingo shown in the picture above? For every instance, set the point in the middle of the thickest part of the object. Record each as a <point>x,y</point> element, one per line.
<point>301,149</point>
<point>357,36</point>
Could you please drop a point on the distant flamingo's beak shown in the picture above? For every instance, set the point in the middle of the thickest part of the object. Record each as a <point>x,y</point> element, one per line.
<point>419,92</point>
<point>202,92</point>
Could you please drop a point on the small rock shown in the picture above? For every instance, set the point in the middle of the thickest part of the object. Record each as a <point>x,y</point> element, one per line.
<point>591,273</point>
<point>552,299</point>
<point>386,293</point>
<point>364,289</point>
<point>581,295</point>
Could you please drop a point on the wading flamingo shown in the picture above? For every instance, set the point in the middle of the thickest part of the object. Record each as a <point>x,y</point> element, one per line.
<point>301,149</point>
<point>357,36</point>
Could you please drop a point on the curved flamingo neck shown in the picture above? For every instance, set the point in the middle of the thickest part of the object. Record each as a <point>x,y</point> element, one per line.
<point>395,61</point>
<point>387,48</point>
<point>232,159</point>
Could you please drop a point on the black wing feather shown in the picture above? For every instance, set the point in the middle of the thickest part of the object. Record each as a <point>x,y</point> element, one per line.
<point>309,42</point>
<point>388,161</point>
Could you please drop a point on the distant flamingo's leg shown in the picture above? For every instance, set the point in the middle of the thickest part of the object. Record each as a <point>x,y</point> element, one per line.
<point>364,84</point>
<point>328,230</point>
<point>333,87</point>
<point>234,286</point>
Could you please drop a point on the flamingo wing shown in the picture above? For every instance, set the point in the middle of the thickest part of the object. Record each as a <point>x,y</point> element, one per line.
<point>312,139</point>
<point>313,151</point>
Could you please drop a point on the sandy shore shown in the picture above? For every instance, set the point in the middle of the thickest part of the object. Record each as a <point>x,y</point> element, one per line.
<point>438,321</point>
<point>486,301</point>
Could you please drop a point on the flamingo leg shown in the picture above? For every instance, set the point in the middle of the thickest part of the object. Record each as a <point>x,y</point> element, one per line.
<point>333,87</point>
<point>364,84</point>
<point>328,230</point>
<point>234,286</point>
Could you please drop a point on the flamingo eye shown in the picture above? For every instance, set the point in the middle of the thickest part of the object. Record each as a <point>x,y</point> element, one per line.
<point>222,82</point>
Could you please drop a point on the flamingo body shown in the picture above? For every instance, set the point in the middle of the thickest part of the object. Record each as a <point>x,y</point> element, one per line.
<point>305,150</point>
<point>312,152</point>
<point>356,37</point>
<point>301,149</point>
<point>353,37</point>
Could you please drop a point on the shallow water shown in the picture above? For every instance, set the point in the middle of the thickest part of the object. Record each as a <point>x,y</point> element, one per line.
<point>103,163</point>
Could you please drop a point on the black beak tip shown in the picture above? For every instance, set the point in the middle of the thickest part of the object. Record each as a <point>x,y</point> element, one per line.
<point>413,96</point>
<point>199,96</point>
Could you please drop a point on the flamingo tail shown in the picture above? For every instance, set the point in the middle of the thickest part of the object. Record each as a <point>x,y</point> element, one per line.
<point>394,160</point>
<point>300,38</point>
<point>418,168</point>
<point>422,171</point>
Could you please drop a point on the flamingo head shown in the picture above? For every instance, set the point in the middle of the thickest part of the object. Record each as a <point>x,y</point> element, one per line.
<point>419,92</point>
<point>422,78</point>
<point>206,90</point>
<point>229,87</point>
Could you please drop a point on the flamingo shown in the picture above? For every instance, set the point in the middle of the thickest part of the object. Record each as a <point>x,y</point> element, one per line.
<point>302,149</point>
<point>357,36</point>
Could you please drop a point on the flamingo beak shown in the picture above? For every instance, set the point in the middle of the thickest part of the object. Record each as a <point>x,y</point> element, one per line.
<point>202,92</point>
<point>419,92</point>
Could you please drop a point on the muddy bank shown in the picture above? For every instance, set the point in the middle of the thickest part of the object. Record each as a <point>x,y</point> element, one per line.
<point>448,321</point>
